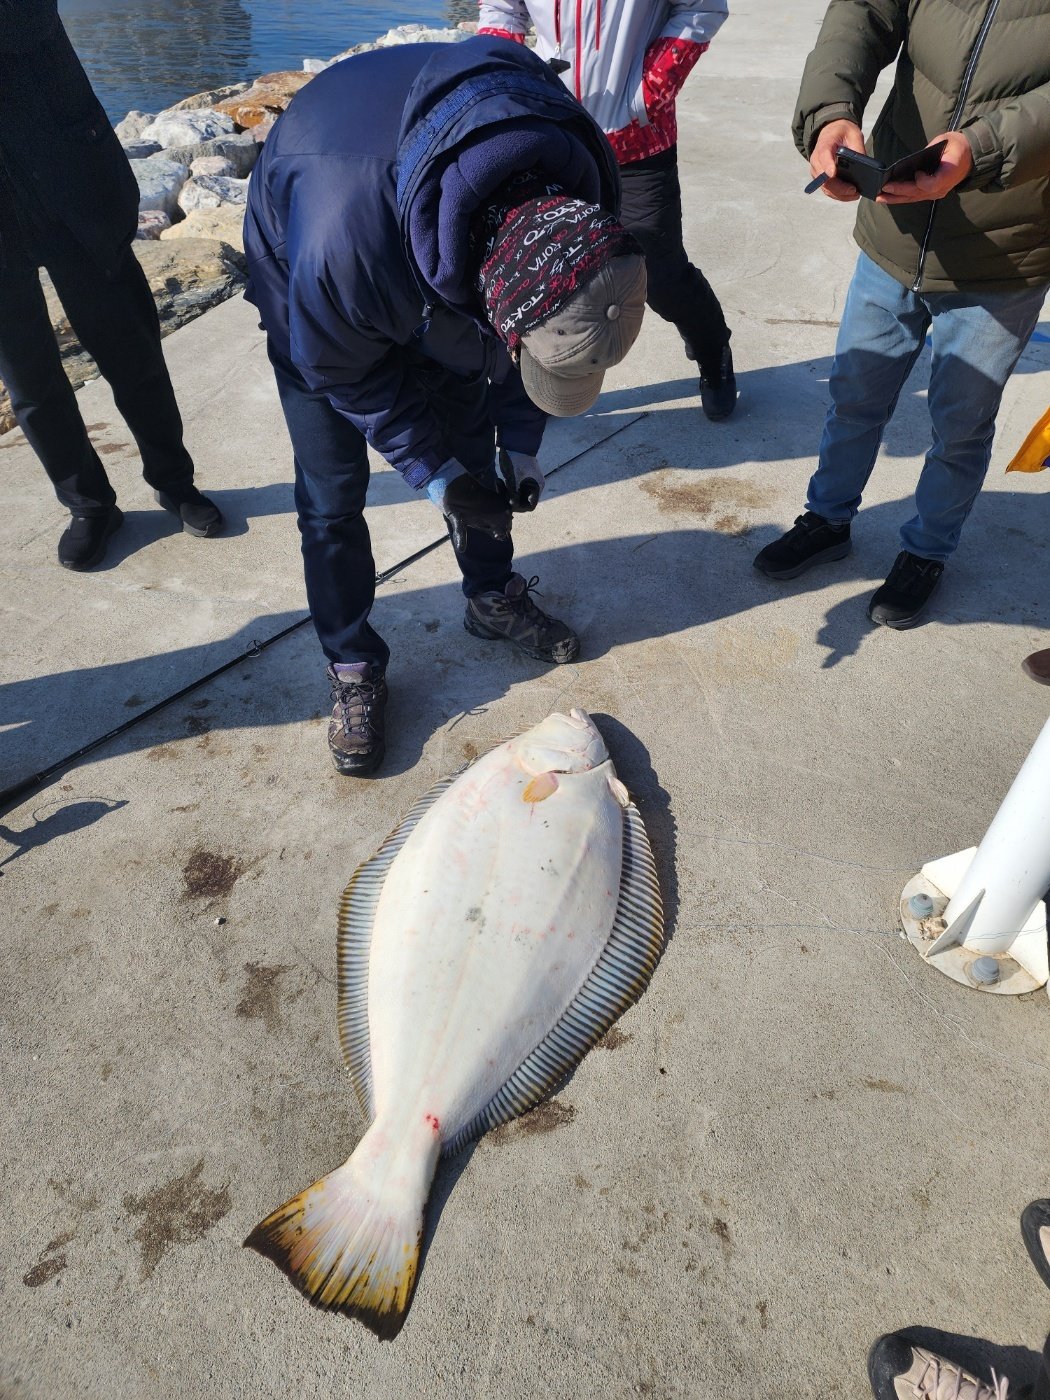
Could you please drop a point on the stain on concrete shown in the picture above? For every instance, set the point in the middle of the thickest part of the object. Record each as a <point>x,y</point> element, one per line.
<point>209,875</point>
<point>133,702</point>
<point>161,753</point>
<point>763,1314</point>
<point>431,626</point>
<point>180,1212</point>
<point>196,725</point>
<point>613,1039</point>
<point>682,493</point>
<point>470,750</point>
<point>259,995</point>
<point>107,1070</point>
<point>884,1086</point>
<point>544,1118</point>
<point>51,1263</point>
<point>581,1183</point>
<point>48,910</point>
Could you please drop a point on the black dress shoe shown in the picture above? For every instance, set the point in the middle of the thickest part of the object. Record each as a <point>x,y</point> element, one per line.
<point>908,588</point>
<point>83,542</point>
<point>1038,666</point>
<point>199,516</point>
<point>1035,1231</point>
<point>718,385</point>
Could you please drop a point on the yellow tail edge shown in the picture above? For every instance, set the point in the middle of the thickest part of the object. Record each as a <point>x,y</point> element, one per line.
<point>347,1250</point>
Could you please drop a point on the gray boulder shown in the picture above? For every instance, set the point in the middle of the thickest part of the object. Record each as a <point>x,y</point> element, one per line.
<point>140,150</point>
<point>160,181</point>
<point>241,150</point>
<point>133,125</point>
<point>209,98</point>
<point>209,191</point>
<point>172,128</point>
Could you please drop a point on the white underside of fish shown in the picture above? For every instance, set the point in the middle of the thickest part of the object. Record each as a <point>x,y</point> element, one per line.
<point>493,938</point>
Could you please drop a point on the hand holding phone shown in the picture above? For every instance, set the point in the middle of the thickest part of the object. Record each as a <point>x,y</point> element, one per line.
<point>871,177</point>
<point>955,164</point>
<point>822,161</point>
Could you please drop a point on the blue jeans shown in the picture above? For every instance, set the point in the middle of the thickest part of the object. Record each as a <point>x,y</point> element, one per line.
<point>977,337</point>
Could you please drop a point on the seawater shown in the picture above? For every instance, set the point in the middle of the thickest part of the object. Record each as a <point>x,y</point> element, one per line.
<point>147,54</point>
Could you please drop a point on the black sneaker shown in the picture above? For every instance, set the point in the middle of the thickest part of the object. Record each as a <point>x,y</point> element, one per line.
<point>811,540</point>
<point>512,616</point>
<point>83,542</point>
<point>357,729</point>
<point>907,590</point>
<point>199,516</point>
<point>1035,1231</point>
<point>718,385</point>
<point>1038,666</point>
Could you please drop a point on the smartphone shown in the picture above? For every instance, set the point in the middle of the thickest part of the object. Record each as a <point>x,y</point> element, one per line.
<point>869,175</point>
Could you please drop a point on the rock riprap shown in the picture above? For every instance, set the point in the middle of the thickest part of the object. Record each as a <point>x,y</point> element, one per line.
<point>160,181</point>
<point>172,128</point>
<point>266,98</point>
<point>209,191</point>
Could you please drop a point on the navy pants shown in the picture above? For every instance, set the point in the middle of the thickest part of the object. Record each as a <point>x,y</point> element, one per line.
<point>331,483</point>
<point>115,320</point>
<point>678,291</point>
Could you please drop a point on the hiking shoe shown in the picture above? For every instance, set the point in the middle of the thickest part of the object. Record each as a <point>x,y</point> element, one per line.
<point>357,729</point>
<point>1038,666</point>
<point>811,540</point>
<point>512,616</point>
<point>907,590</point>
<point>83,541</point>
<point>718,385</point>
<point>900,1371</point>
<point>1035,1231</point>
<point>199,516</point>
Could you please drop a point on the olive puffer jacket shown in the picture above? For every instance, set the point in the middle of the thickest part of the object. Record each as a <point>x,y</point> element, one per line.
<point>979,66</point>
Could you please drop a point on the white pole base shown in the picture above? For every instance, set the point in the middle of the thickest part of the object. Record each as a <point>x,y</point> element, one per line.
<point>1023,967</point>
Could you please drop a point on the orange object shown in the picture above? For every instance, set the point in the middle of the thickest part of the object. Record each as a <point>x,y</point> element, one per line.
<point>1035,450</point>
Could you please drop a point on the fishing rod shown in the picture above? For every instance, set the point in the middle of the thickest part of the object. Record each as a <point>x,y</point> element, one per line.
<point>11,796</point>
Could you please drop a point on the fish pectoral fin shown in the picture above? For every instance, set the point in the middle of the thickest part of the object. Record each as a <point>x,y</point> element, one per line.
<point>619,792</point>
<point>350,1244</point>
<point>540,787</point>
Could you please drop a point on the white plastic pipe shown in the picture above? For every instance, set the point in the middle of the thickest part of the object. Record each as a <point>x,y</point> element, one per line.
<point>1012,864</point>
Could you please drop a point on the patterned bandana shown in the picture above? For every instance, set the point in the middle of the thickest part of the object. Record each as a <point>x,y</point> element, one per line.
<point>546,250</point>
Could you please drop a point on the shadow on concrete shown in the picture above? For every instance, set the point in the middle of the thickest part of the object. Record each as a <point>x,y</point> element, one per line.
<point>651,586</point>
<point>74,816</point>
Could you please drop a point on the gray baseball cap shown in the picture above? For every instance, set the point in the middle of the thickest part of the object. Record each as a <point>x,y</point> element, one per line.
<point>563,362</point>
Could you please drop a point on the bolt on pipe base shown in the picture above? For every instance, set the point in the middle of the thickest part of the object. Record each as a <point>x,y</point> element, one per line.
<point>927,895</point>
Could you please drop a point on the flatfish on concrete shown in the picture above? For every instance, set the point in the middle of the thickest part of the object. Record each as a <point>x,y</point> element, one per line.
<point>493,938</point>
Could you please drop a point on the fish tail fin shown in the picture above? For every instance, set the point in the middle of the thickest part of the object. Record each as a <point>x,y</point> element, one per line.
<point>350,1243</point>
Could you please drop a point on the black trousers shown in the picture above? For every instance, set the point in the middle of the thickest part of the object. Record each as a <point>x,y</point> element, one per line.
<point>115,320</point>
<point>331,483</point>
<point>678,291</point>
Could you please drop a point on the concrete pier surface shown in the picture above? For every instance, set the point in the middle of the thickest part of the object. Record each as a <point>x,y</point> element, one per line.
<point>800,1137</point>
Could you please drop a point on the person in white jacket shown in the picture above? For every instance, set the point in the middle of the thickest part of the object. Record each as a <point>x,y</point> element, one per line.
<point>626,61</point>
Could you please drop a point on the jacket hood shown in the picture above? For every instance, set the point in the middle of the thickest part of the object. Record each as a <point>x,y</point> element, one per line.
<point>479,112</point>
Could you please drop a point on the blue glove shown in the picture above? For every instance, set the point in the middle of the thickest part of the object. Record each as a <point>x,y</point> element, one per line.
<point>442,479</point>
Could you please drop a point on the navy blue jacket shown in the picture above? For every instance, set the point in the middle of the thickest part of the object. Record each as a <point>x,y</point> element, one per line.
<point>357,225</point>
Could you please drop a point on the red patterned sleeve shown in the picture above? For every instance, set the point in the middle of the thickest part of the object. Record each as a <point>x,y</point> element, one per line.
<point>504,34</point>
<point>668,62</point>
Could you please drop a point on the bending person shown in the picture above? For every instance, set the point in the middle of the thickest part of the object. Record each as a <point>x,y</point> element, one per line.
<point>433,252</point>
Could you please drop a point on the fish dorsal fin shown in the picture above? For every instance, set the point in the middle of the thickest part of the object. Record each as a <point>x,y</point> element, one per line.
<point>615,982</point>
<point>357,913</point>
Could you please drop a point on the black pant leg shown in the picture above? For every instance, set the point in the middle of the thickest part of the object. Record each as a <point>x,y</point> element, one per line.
<point>42,398</point>
<point>115,319</point>
<point>331,482</point>
<point>678,291</point>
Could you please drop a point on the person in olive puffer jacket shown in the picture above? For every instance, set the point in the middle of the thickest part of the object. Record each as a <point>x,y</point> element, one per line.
<point>962,253</point>
<point>626,61</point>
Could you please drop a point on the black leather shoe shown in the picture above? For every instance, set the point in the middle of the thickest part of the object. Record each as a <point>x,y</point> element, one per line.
<point>909,585</point>
<point>199,516</point>
<point>1035,1231</point>
<point>811,540</point>
<point>718,386</point>
<point>83,542</point>
<point>899,1366</point>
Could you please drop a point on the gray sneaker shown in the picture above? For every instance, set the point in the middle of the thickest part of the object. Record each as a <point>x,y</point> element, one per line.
<point>900,1370</point>
<point>357,729</point>
<point>512,616</point>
